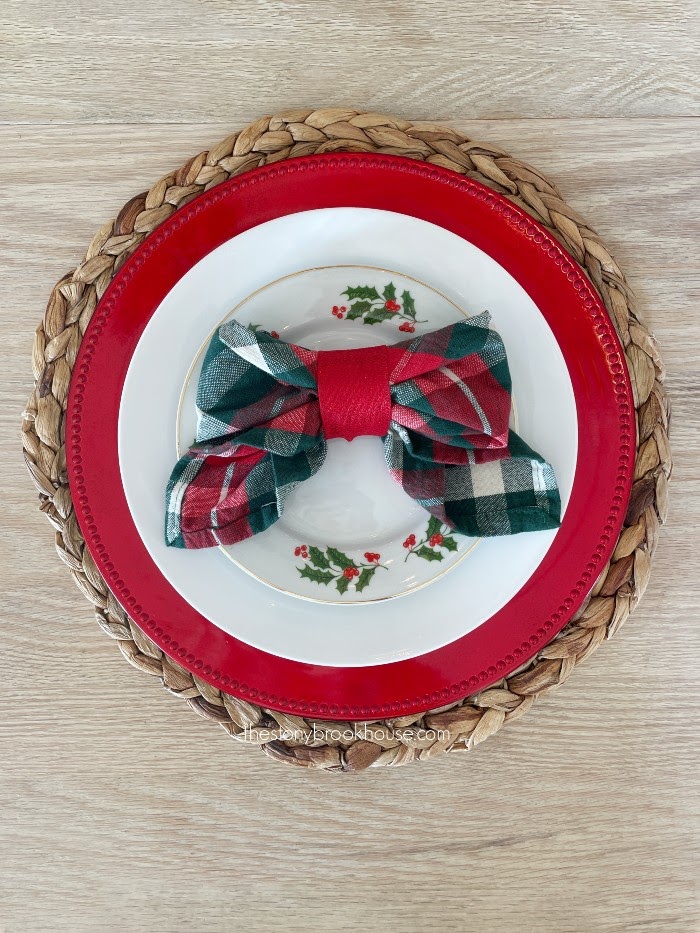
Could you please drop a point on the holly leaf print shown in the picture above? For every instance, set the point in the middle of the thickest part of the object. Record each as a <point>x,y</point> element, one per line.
<point>342,584</point>
<point>358,308</point>
<point>316,576</point>
<point>409,305</point>
<point>361,291</point>
<point>377,315</point>
<point>318,558</point>
<point>449,543</point>
<point>389,293</point>
<point>337,557</point>
<point>427,553</point>
<point>364,579</point>
<point>434,526</point>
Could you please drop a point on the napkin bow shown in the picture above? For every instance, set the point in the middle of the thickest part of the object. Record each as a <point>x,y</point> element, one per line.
<point>440,401</point>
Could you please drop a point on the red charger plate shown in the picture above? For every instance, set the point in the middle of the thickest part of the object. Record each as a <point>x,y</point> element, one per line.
<point>600,382</point>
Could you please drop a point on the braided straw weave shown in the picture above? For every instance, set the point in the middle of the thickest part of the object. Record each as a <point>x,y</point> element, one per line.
<point>323,744</point>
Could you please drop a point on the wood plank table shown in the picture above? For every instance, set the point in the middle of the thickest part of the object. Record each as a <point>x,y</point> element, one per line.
<point>122,811</point>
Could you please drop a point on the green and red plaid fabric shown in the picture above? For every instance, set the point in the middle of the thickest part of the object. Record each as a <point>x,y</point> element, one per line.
<point>260,434</point>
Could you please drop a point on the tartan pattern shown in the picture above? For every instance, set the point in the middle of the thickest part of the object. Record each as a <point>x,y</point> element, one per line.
<point>259,435</point>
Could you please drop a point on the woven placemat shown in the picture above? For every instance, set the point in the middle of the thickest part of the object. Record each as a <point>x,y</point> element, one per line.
<point>323,744</point>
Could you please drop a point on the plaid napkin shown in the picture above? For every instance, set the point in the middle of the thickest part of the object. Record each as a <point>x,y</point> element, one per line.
<point>260,434</point>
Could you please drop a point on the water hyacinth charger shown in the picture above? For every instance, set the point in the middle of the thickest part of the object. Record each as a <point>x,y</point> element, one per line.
<point>349,430</point>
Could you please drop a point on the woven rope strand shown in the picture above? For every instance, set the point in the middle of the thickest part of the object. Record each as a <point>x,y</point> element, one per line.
<point>296,740</point>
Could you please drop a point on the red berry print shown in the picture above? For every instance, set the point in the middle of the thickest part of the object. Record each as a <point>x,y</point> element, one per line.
<point>273,333</point>
<point>410,541</point>
<point>369,304</point>
<point>328,566</point>
<point>433,538</point>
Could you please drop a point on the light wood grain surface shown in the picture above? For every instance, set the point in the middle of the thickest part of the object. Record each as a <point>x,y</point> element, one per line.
<point>119,808</point>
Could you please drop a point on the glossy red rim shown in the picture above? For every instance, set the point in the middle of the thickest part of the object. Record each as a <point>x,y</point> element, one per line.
<point>603,474</point>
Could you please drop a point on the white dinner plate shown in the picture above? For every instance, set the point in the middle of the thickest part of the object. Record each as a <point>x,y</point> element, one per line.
<point>457,278</point>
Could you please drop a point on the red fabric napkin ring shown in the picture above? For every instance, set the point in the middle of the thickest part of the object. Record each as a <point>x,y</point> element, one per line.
<point>354,394</point>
